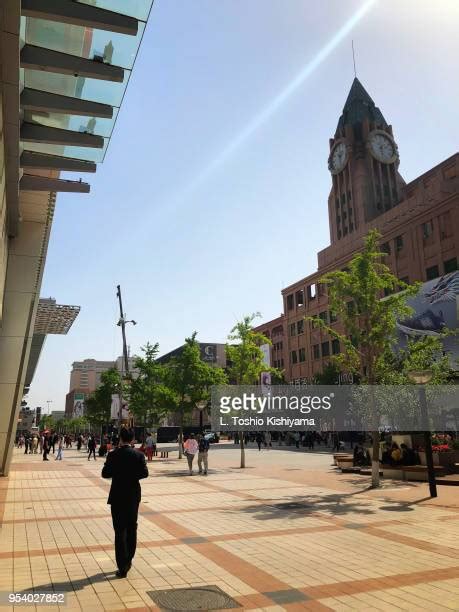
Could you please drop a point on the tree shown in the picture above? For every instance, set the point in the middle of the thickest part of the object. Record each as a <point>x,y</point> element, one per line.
<point>369,322</point>
<point>188,380</point>
<point>98,404</point>
<point>246,358</point>
<point>329,375</point>
<point>147,391</point>
<point>47,422</point>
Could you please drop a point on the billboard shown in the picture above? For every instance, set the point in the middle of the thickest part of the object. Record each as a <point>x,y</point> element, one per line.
<point>78,405</point>
<point>436,309</point>
<point>115,408</point>
<point>208,352</point>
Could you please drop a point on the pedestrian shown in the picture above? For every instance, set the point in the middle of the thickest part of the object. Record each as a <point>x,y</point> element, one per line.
<point>259,440</point>
<point>60,446</point>
<point>54,439</point>
<point>79,442</point>
<point>46,446</point>
<point>91,444</point>
<point>191,448</point>
<point>26,444</point>
<point>268,438</point>
<point>34,444</point>
<point>149,443</point>
<point>40,442</point>
<point>203,451</point>
<point>125,466</point>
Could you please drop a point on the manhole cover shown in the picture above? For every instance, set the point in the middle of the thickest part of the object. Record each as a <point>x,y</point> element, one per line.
<point>209,597</point>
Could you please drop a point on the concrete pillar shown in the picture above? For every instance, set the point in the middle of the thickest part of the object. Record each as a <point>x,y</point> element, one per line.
<point>26,255</point>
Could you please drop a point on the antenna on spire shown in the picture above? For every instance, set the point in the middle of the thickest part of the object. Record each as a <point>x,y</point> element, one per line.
<point>353,59</point>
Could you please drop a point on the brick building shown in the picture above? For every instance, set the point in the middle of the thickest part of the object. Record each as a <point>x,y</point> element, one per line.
<point>419,223</point>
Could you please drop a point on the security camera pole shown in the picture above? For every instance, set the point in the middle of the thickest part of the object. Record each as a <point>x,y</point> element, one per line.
<point>122,323</point>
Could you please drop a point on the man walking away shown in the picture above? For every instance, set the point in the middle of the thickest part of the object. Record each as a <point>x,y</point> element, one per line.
<point>203,454</point>
<point>91,448</point>
<point>125,466</point>
<point>26,444</point>
<point>45,448</point>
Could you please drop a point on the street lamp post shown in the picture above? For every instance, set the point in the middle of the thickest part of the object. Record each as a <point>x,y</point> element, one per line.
<point>421,378</point>
<point>200,406</point>
<point>122,323</point>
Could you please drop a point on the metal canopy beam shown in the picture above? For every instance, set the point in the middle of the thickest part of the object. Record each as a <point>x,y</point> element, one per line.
<point>34,132</point>
<point>44,161</point>
<point>30,182</point>
<point>75,13</point>
<point>43,101</point>
<point>39,58</point>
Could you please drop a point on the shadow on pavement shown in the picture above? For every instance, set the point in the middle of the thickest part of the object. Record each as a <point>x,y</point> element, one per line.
<point>69,586</point>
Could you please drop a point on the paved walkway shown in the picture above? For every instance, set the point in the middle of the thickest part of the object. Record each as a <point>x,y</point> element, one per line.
<point>287,533</point>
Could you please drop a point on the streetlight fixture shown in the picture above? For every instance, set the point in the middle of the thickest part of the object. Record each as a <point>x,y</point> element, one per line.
<point>200,406</point>
<point>421,378</point>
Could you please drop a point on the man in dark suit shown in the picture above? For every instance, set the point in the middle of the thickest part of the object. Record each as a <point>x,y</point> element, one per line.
<point>125,466</point>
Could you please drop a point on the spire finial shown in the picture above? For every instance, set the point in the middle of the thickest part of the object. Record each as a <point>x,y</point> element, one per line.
<point>353,59</point>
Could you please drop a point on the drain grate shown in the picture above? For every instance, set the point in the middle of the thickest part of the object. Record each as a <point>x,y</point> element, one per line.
<point>209,597</point>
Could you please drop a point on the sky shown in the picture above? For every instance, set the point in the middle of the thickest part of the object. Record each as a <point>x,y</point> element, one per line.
<point>213,193</point>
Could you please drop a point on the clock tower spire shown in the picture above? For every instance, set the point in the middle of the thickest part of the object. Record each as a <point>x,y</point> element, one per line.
<point>364,163</point>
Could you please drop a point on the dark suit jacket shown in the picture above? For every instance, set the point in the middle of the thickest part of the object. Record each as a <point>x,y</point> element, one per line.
<point>125,466</point>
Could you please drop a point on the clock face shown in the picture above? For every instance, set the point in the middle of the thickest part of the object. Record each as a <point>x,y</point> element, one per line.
<point>382,147</point>
<point>338,158</point>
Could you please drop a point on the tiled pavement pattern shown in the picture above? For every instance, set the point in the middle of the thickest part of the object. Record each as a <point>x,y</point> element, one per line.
<point>274,536</point>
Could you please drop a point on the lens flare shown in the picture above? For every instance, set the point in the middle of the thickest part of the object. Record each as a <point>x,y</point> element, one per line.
<point>274,105</point>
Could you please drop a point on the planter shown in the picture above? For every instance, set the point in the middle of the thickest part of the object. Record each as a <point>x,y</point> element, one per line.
<point>445,458</point>
<point>345,462</point>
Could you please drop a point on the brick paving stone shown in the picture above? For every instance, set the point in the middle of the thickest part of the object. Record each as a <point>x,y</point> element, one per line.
<point>288,533</point>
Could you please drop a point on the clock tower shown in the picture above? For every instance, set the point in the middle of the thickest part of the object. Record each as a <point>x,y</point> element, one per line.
<point>363,162</point>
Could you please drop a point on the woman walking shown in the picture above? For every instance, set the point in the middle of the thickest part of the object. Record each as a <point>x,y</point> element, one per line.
<point>60,446</point>
<point>191,448</point>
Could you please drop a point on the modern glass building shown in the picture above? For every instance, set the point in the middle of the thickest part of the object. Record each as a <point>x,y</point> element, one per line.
<point>64,68</point>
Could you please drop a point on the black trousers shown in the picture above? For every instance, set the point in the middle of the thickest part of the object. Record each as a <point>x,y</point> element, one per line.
<point>124,519</point>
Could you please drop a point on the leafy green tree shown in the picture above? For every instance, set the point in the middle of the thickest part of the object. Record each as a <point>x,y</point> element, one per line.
<point>188,380</point>
<point>369,322</point>
<point>147,392</point>
<point>47,422</point>
<point>328,376</point>
<point>246,359</point>
<point>98,404</point>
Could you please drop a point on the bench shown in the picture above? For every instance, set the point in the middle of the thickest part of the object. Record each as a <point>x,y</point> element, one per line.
<point>409,472</point>
<point>344,460</point>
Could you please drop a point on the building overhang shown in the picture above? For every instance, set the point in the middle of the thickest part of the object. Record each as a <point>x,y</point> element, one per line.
<point>69,63</point>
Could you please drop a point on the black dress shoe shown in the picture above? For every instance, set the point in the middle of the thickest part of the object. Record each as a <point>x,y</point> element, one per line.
<point>121,574</point>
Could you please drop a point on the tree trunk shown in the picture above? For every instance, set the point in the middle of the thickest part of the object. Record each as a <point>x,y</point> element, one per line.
<point>375,460</point>
<point>375,436</point>
<point>241,442</point>
<point>180,438</point>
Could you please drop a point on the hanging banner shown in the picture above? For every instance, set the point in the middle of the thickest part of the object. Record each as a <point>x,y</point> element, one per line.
<point>264,348</point>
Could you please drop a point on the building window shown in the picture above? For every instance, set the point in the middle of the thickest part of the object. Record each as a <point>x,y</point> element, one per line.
<point>290,302</point>
<point>300,298</point>
<point>333,317</point>
<point>293,329</point>
<point>432,273</point>
<point>335,346</point>
<point>302,355</point>
<point>450,265</point>
<point>300,327</point>
<point>294,357</point>
<point>311,292</point>
<point>385,248</point>
<point>323,316</point>
<point>282,362</point>
<point>325,349</point>
<point>398,243</point>
<point>427,229</point>
<point>316,351</point>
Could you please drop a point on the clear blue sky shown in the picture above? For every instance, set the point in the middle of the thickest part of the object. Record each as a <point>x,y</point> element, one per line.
<point>197,244</point>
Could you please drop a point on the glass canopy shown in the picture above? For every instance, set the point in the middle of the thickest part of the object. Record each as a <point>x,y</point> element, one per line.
<point>98,45</point>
